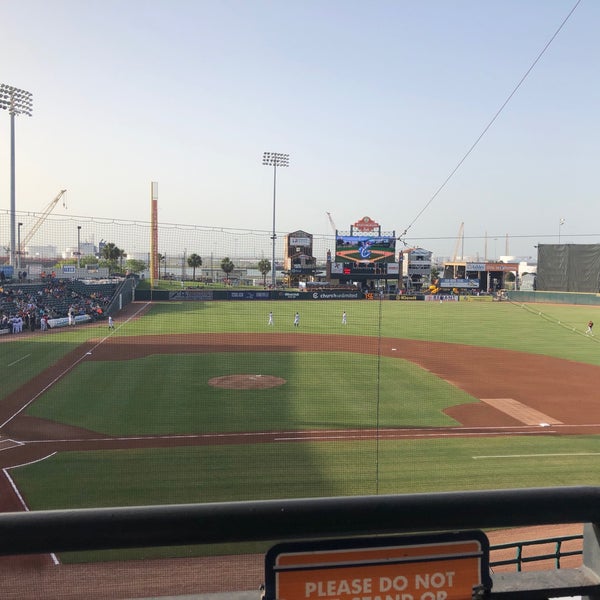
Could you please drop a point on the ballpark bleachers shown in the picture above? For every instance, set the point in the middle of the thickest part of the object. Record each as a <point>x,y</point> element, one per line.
<point>55,298</point>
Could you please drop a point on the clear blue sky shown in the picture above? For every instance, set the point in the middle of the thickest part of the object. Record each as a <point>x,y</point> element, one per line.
<point>376,103</point>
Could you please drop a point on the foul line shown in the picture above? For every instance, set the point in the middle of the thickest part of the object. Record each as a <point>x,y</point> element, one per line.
<point>18,360</point>
<point>20,497</point>
<point>536,455</point>
<point>61,375</point>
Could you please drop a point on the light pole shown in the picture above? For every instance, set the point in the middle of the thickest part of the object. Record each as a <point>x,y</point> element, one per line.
<point>561,222</point>
<point>275,159</point>
<point>16,102</point>
<point>19,248</point>
<point>78,246</point>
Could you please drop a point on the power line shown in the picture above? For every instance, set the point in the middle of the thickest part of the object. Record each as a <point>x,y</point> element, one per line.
<point>491,122</point>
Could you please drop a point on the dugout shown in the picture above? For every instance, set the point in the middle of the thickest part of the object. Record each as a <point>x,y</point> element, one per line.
<point>568,268</point>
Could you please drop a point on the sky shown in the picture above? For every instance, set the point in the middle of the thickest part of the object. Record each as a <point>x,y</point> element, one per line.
<point>376,103</point>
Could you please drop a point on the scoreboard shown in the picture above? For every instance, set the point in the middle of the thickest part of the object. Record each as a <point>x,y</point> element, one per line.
<point>365,269</point>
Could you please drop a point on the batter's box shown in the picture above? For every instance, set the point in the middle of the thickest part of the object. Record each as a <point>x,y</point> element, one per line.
<point>7,443</point>
<point>521,412</point>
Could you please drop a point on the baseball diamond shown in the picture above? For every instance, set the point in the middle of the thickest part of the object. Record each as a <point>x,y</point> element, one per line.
<point>527,395</point>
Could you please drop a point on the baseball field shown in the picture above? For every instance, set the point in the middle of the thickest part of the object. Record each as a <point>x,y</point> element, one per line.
<point>207,402</point>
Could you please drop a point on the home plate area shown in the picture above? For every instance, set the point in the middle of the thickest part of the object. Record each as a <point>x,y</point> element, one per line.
<point>521,412</point>
<point>7,443</point>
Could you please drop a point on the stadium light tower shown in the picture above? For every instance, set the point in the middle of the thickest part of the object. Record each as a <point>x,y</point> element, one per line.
<point>561,222</point>
<point>275,159</point>
<point>16,102</point>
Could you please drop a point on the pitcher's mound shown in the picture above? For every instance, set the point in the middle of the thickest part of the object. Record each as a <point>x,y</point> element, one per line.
<point>246,382</point>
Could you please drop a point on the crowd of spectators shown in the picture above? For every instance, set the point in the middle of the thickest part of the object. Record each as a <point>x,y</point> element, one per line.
<point>30,306</point>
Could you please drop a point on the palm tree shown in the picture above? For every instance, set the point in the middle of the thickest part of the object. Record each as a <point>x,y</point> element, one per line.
<point>227,266</point>
<point>194,261</point>
<point>122,255</point>
<point>264,266</point>
<point>111,253</point>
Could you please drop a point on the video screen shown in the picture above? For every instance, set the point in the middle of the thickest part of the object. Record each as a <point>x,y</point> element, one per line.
<point>365,249</point>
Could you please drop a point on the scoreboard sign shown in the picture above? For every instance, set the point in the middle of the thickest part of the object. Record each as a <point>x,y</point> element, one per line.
<point>453,566</point>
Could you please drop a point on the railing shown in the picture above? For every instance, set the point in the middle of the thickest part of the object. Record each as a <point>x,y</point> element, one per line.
<point>104,528</point>
<point>520,560</point>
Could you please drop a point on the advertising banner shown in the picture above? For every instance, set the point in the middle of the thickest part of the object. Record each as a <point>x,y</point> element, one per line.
<point>64,321</point>
<point>472,284</point>
<point>198,295</point>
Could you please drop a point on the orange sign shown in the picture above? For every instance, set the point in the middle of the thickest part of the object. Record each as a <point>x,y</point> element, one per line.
<point>435,567</point>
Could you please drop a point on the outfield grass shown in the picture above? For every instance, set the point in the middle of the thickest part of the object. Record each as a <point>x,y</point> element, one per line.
<point>553,330</point>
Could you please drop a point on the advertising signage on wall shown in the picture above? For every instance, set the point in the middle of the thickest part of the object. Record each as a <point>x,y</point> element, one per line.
<point>492,267</point>
<point>300,241</point>
<point>364,249</point>
<point>459,283</point>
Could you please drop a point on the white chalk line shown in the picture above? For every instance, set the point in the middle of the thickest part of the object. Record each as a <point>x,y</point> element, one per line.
<point>491,456</point>
<point>348,434</point>
<point>8,443</point>
<point>63,373</point>
<point>10,480</point>
<point>18,360</point>
<point>413,435</point>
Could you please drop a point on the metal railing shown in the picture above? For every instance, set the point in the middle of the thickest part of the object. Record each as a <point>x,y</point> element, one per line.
<point>519,560</point>
<point>279,520</point>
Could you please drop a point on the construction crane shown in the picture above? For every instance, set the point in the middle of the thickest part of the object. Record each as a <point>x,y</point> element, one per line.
<point>460,240</point>
<point>331,222</point>
<point>49,208</point>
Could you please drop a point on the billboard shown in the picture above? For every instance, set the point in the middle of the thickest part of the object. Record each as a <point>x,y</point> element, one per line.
<point>365,249</point>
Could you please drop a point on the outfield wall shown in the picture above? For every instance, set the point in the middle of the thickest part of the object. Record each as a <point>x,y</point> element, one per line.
<point>555,297</point>
<point>207,295</point>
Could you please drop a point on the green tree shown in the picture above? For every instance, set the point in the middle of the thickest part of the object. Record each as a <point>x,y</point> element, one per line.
<point>112,253</point>
<point>264,266</point>
<point>194,261</point>
<point>227,266</point>
<point>135,266</point>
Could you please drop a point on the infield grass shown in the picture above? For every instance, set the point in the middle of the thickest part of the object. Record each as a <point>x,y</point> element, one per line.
<point>171,394</point>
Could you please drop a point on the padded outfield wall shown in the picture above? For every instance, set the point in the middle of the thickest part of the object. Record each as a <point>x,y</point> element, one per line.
<point>555,298</point>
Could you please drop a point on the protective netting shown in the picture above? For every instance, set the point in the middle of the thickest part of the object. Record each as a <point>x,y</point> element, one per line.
<point>58,237</point>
